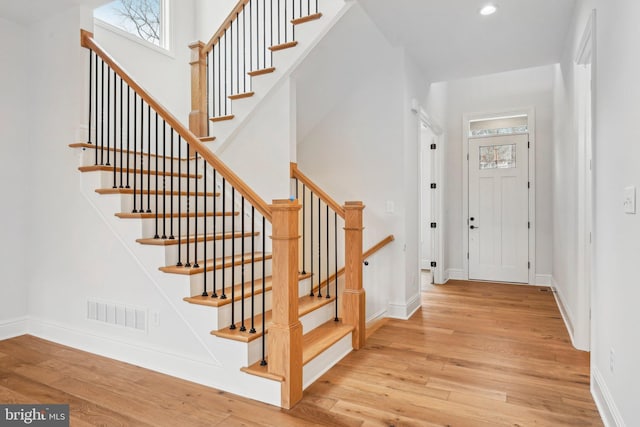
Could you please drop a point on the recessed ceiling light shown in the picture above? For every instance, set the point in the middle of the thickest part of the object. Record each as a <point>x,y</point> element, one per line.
<point>488,10</point>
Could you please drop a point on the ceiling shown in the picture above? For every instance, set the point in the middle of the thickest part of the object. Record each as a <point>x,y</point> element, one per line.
<point>449,39</point>
<point>26,12</point>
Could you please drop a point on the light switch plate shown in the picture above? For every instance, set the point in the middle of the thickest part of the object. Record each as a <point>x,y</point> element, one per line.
<point>630,200</point>
<point>390,207</point>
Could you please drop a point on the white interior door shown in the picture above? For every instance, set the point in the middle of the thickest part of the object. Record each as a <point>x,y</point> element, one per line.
<point>427,195</point>
<point>498,209</point>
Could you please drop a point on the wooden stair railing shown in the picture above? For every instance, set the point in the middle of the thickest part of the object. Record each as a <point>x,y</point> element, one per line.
<point>242,48</point>
<point>142,149</point>
<point>353,295</point>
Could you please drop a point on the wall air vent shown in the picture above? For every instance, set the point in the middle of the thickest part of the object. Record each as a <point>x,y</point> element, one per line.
<point>117,315</point>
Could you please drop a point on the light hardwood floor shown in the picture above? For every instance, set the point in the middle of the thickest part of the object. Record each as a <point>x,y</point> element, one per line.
<point>476,354</point>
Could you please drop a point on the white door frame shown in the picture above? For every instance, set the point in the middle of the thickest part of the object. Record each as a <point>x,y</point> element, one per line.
<point>584,86</point>
<point>531,118</point>
<point>437,174</point>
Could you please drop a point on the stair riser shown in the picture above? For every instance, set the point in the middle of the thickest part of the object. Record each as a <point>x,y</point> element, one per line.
<point>180,225</point>
<point>148,181</point>
<point>197,280</point>
<point>149,162</point>
<point>224,312</point>
<point>171,252</point>
<point>127,202</point>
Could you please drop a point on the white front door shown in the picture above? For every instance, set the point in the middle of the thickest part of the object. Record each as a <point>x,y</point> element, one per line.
<point>499,209</point>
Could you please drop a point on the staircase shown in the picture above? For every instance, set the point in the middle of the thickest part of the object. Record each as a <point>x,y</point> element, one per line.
<point>259,283</point>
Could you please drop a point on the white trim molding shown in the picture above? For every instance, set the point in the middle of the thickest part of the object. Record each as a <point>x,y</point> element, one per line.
<point>455,274</point>
<point>543,280</point>
<point>404,311</point>
<point>11,328</point>
<point>609,412</point>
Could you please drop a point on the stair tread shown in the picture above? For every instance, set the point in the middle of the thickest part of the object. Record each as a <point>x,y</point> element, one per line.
<point>104,168</point>
<point>283,46</point>
<point>313,344</point>
<point>241,95</point>
<point>148,215</point>
<point>228,262</point>
<point>222,118</point>
<point>323,337</point>
<point>307,18</point>
<point>218,302</point>
<point>194,238</point>
<point>93,146</point>
<point>153,191</point>
<point>306,304</point>
<point>207,138</point>
<point>261,71</point>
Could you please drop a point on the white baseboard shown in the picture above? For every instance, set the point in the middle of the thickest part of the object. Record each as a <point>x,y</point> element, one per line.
<point>200,371</point>
<point>404,311</point>
<point>454,274</point>
<point>609,412</point>
<point>15,327</point>
<point>566,316</point>
<point>543,280</point>
<point>376,317</point>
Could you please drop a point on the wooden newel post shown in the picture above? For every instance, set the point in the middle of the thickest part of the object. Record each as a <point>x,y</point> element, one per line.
<point>353,299</point>
<point>198,116</point>
<point>285,332</point>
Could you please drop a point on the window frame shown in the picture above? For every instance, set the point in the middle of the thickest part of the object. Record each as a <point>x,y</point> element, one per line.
<point>166,31</point>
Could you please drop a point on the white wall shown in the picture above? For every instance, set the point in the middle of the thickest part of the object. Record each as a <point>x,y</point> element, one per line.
<point>512,90</point>
<point>209,16</point>
<point>616,235</point>
<point>355,127</point>
<point>166,75</point>
<point>14,169</point>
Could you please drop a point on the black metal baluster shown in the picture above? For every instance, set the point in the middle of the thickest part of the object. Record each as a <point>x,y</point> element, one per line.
<point>284,21</point>
<point>237,52</point>
<point>179,263</point>
<point>233,258</point>
<point>251,39</point>
<point>244,49</point>
<point>204,231</point>
<point>121,138</point>
<point>129,136</point>
<point>214,294</point>
<point>319,247</point>
<point>278,16</point>
<point>208,90</point>
<point>311,245</point>
<point>135,150</point>
<point>102,115</point>
<point>293,15</point>
<point>224,260</point>
<point>263,362</point>
<point>257,34</point>
<point>253,267</point>
<point>219,79</point>
<point>304,228</point>
<point>179,220</point>
<point>243,328</point>
<point>316,6</point>
<point>335,265</point>
<point>328,283</point>
<point>141,155</point>
<point>164,179</point>
<point>95,101</point>
<point>109,124</point>
<point>264,34</point>
<point>188,217</point>
<point>149,160</point>
<point>90,94</point>
<point>195,226</point>
<point>271,25</point>
<point>171,236</point>
<point>231,65</point>
<point>156,236</point>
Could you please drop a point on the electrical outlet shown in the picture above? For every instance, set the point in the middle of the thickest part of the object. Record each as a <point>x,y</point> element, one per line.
<point>612,360</point>
<point>630,200</point>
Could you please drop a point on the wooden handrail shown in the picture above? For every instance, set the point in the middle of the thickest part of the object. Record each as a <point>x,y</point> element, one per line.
<point>87,41</point>
<point>375,248</point>
<point>369,252</point>
<point>295,173</point>
<point>225,25</point>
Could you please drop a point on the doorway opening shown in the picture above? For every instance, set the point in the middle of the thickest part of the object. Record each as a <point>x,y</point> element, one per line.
<point>499,196</point>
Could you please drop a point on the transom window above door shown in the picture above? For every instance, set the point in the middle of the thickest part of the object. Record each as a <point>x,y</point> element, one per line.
<point>499,126</point>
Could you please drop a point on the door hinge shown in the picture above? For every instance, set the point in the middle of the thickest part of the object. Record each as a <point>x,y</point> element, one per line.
<point>529,224</point>
<point>433,225</point>
<point>433,146</point>
<point>467,156</point>
<point>433,185</point>
<point>528,144</point>
<point>467,255</point>
<point>529,265</point>
<point>433,264</point>
<point>528,184</point>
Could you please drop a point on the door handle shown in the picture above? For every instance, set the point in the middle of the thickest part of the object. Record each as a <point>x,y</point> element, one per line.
<point>473,227</point>
<point>471,219</point>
